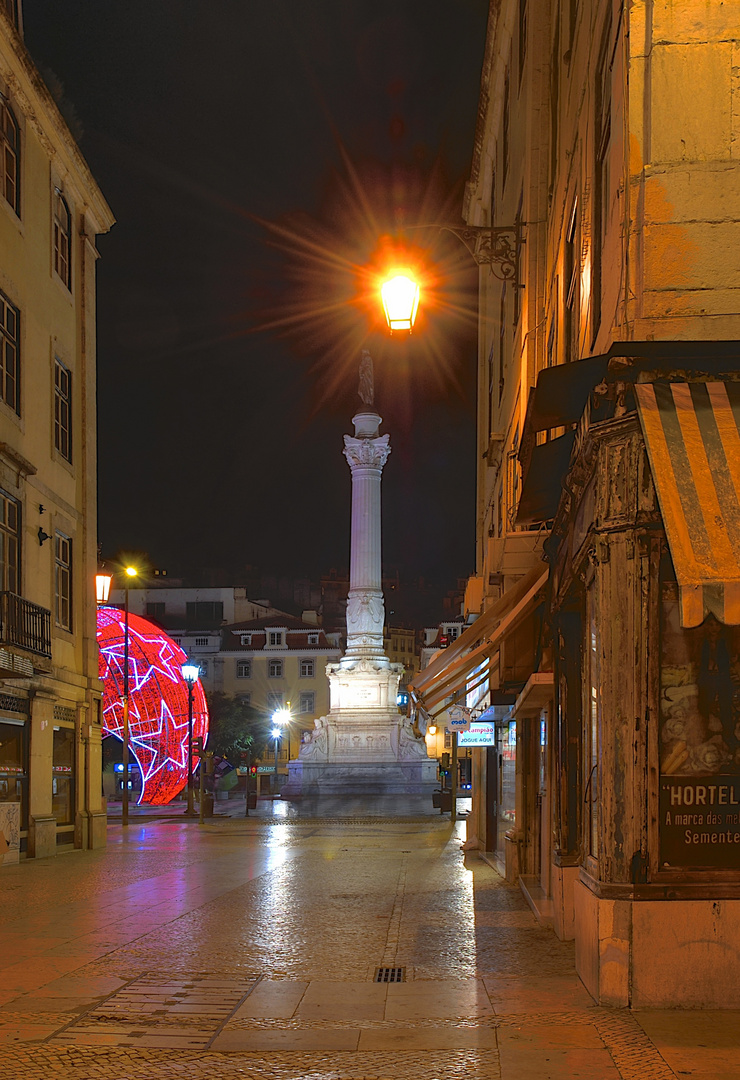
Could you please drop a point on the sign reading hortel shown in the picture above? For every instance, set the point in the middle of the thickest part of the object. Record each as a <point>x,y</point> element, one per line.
<point>700,821</point>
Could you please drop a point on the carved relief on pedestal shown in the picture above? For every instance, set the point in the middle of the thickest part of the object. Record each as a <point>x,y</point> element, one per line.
<point>406,745</point>
<point>371,453</point>
<point>365,612</point>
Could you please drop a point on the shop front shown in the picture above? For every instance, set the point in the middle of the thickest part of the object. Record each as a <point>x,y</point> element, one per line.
<point>644,617</point>
<point>487,669</point>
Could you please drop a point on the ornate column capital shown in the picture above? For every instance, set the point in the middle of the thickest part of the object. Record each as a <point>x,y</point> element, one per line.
<point>370,453</point>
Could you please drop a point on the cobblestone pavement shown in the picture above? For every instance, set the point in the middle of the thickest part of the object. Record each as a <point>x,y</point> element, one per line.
<point>249,949</point>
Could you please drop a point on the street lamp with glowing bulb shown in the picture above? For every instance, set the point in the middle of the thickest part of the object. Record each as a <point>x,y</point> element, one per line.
<point>102,587</point>
<point>400,295</point>
<point>190,673</point>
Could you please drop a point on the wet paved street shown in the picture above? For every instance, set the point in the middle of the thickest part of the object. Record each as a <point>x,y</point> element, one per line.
<point>248,948</point>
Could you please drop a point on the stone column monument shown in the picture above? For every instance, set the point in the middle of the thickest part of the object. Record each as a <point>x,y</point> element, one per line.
<point>364,745</point>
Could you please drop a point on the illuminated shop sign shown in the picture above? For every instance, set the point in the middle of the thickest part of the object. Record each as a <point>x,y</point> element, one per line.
<point>478,735</point>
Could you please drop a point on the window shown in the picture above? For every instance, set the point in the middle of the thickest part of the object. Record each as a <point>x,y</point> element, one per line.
<point>244,699</point>
<point>246,639</point>
<point>308,669</point>
<point>63,776</point>
<point>602,138</point>
<point>307,702</point>
<point>275,637</point>
<point>313,639</point>
<point>14,765</point>
<point>9,353</point>
<point>275,669</point>
<point>204,613</point>
<point>10,147</point>
<point>156,611</point>
<point>244,669</point>
<point>204,669</point>
<point>201,641</point>
<point>63,581</point>
<point>501,341</point>
<point>62,239</point>
<point>63,410</point>
<point>505,131</point>
<point>570,283</point>
<point>554,102</point>
<point>274,702</point>
<point>10,533</point>
<point>522,36</point>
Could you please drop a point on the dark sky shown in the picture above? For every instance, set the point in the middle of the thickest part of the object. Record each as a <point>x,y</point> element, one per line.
<point>254,152</point>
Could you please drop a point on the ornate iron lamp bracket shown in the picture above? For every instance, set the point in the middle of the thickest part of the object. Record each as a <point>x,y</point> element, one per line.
<point>494,247</point>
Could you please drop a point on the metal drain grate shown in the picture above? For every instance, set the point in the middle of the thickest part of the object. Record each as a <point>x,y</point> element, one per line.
<point>390,974</point>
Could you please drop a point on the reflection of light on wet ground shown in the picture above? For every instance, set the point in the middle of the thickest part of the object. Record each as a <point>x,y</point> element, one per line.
<point>277,836</point>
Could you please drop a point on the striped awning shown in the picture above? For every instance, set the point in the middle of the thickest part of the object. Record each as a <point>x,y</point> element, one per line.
<point>467,664</point>
<point>692,432</point>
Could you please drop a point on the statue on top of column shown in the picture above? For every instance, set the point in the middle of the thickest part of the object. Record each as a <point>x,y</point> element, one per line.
<point>366,389</point>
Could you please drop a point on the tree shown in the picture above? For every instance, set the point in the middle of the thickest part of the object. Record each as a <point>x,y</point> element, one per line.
<point>236,728</point>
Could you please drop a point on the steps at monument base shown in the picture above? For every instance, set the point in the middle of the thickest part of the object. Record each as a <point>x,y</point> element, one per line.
<point>348,778</point>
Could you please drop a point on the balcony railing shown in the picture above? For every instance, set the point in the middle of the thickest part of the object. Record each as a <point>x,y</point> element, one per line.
<point>24,624</point>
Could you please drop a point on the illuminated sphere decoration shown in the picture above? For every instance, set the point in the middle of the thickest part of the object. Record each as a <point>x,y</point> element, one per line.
<point>158,701</point>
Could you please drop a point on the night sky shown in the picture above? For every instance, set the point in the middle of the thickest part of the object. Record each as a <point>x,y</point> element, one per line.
<point>255,153</point>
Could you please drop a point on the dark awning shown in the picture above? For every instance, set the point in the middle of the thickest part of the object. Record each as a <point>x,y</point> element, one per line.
<point>542,486</point>
<point>561,393</point>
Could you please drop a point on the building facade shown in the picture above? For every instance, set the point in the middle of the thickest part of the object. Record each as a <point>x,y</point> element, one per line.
<point>605,192</point>
<point>277,663</point>
<point>51,211</point>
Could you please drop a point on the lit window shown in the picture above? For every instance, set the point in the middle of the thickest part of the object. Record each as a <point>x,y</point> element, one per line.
<point>276,637</point>
<point>275,669</point>
<point>63,581</point>
<point>9,543</point>
<point>9,354</point>
<point>307,702</point>
<point>244,669</point>
<point>10,160</point>
<point>62,239</point>
<point>308,669</point>
<point>62,410</point>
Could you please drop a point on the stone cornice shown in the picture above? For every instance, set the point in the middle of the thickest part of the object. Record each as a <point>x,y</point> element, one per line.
<point>42,113</point>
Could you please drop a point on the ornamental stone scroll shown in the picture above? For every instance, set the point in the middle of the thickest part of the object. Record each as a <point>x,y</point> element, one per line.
<point>371,453</point>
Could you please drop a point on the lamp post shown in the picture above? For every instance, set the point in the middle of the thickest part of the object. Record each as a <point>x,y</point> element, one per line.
<point>280,719</point>
<point>130,573</point>
<point>190,673</point>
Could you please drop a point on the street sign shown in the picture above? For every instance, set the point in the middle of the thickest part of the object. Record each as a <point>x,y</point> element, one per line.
<point>458,718</point>
<point>265,768</point>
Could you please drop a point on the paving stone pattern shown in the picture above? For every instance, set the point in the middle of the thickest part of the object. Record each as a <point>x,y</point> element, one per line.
<point>247,949</point>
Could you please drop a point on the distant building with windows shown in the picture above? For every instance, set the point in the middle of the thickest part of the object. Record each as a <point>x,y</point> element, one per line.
<point>276,662</point>
<point>51,211</point>
<point>246,649</point>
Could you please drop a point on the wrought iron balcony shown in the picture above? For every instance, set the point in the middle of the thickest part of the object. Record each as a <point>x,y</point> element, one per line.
<point>24,624</point>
